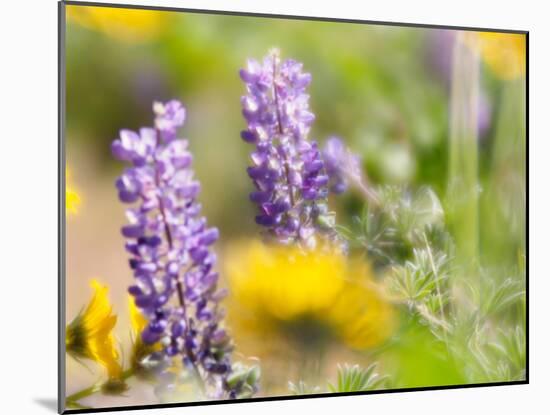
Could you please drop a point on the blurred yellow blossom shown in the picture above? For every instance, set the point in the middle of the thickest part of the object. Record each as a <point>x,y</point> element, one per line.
<point>504,53</point>
<point>90,335</point>
<point>284,290</point>
<point>130,25</point>
<point>72,198</point>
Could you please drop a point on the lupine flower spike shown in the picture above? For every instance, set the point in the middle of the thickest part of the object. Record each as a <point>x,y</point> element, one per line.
<point>170,247</point>
<point>287,169</point>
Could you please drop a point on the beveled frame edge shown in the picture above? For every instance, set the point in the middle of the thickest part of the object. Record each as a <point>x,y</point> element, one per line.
<point>62,214</point>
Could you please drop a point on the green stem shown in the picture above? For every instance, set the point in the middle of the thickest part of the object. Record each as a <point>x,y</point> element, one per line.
<point>90,390</point>
<point>436,276</point>
<point>362,185</point>
<point>504,202</point>
<point>425,313</point>
<point>463,187</point>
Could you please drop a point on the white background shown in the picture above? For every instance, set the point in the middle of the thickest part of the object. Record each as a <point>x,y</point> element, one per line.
<point>28,225</point>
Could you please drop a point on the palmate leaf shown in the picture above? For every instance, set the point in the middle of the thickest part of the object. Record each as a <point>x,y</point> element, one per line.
<point>356,379</point>
<point>391,230</point>
<point>301,388</point>
<point>435,303</point>
<point>510,350</point>
<point>245,379</point>
<point>487,356</point>
<point>493,298</point>
<point>418,279</point>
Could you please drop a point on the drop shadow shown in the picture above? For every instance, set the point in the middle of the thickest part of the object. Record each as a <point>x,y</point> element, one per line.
<point>48,403</point>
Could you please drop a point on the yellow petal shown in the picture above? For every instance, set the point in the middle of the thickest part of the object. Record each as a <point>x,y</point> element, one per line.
<point>272,283</point>
<point>284,282</point>
<point>72,198</point>
<point>504,53</point>
<point>99,322</point>
<point>130,25</point>
<point>362,316</point>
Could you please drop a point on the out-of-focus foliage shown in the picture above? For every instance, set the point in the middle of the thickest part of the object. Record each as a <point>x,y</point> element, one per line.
<point>416,360</point>
<point>301,388</point>
<point>350,378</point>
<point>394,118</point>
<point>355,379</point>
<point>245,379</point>
<point>400,223</point>
<point>418,279</point>
<point>495,297</point>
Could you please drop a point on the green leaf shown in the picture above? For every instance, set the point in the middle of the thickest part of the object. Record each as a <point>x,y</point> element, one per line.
<point>355,379</point>
<point>301,388</point>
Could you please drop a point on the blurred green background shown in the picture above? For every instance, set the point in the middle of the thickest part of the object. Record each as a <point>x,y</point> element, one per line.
<point>372,85</point>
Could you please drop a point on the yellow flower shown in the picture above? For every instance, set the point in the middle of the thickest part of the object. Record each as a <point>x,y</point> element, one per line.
<point>361,314</point>
<point>504,53</point>
<point>130,25</point>
<point>277,288</point>
<point>72,199</point>
<point>90,335</point>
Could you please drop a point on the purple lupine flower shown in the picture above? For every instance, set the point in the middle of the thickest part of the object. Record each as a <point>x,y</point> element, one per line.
<point>344,169</point>
<point>169,244</point>
<point>484,115</point>
<point>439,53</point>
<point>287,169</point>
<point>169,117</point>
<point>342,166</point>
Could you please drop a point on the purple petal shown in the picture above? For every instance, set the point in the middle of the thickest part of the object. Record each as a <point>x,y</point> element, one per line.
<point>133,231</point>
<point>209,237</point>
